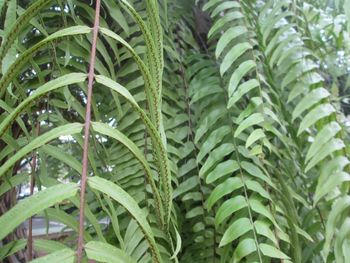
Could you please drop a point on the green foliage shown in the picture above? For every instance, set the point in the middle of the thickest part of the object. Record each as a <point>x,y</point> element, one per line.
<point>219,129</point>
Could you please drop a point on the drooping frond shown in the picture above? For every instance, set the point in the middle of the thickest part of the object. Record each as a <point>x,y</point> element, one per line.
<point>219,130</point>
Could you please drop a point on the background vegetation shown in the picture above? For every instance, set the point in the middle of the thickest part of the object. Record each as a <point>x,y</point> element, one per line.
<point>218,134</point>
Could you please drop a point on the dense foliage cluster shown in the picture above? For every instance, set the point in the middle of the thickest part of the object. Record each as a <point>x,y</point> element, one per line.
<point>219,130</point>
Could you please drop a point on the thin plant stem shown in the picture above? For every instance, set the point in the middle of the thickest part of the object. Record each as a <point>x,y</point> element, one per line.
<point>87,125</point>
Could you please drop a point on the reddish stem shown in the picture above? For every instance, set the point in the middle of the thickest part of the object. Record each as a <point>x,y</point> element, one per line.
<point>87,132</point>
<point>32,185</point>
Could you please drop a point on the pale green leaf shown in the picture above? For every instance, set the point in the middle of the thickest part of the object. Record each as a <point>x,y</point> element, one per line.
<point>309,100</point>
<point>12,248</point>
<point>242,90</point>
<point>333,180</point>
<point>326,149</point>
<point>316,114</point>
<point>227,37</point>
<point>230,185</point>
<point>263,229</point>
<point>124,199</point>
<point>254,136</point>
<point>254,119</point>
<point>336,212</point>
<point>327,133</point>
<point>238,228</point>
<point>33,205</point>
<point>244,248</point>
<point>221,170</point>
<point>340,244</point>
<point>229,207</point>
<point>216,156</point>
<point>117,135</point>
<point>272,252</point>
<point>221,22</point>
<point>238,74</point>
<point>104,252</point>
<point>213,139</point>
<point>49,86</point>
<point>41,140</point>
<point>61,256</point>
<point>232,55</point>
<point>224,6</point>
<point>48,246</point>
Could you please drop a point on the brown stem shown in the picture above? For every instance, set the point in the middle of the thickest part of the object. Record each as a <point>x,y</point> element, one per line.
<point>87,131</point>
<point>32,185</point>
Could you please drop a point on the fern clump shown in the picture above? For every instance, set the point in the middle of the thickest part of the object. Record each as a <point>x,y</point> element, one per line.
<point>176,131</point>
